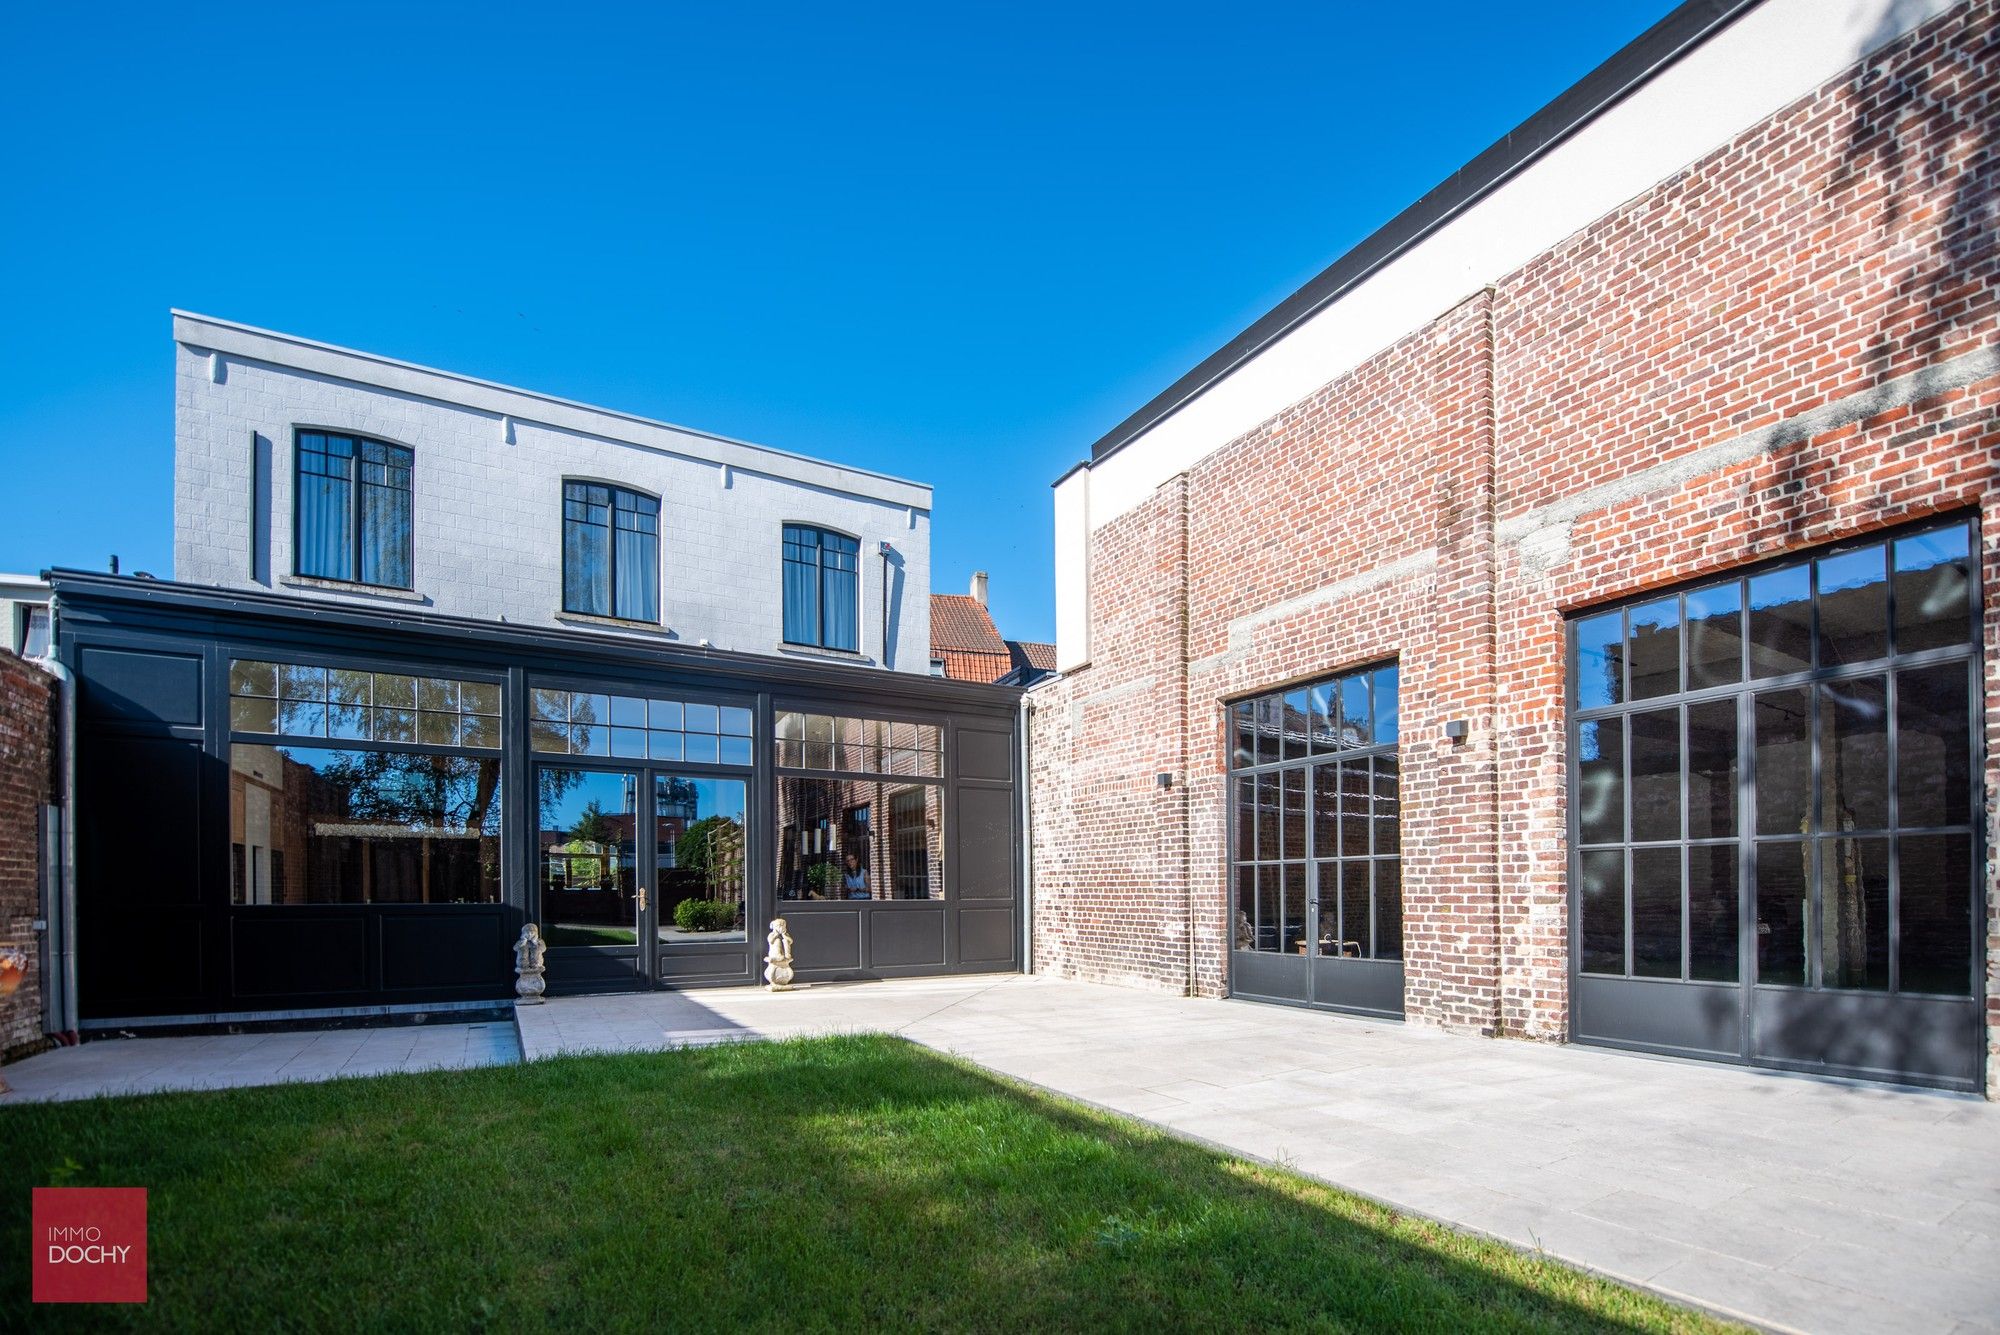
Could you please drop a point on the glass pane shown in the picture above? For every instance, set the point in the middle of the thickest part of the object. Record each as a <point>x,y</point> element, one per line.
<point>1654,649</point>
<point>628,711</point>
<point>666,745</point>
<point>1712,912</point>
<point>1324,718</point>
<point>301,683</point>
<point>588,858</point>
<point>1244,930</point>
<point>588,739</point>
<point>1354,814</point>
<point>1294,934</point>
<point>1782,720</point>
<point>1270,922</point>
<point>1388,909</point>
<point>667,714</point>
<point>629,742</point>
<point>735,721</point>
<point>344,687</point>
<point>1357,721</point>
<point>1936,895</point>
<point>1854,914</point>
<point>589,707</point>
<point>1270,716</point>
<point>702,749</point>
<point>1854,755</point>
<point>1782,915</point>
<point>327,826</point>
<point>395,690</point>
<point>479,730</point>
<point>699,718</point>
<point>703,862</point>
<point>1293,786</point>
<point>548,737</point>
<point>1267,817</point>
<point>1388,807</point>
<point>1853,606</point>
<point>1388,706</point>
<point>251,715</point>
<point>439,693</point>
<point>1600,797</point>
<point>1243,730</point>
<point>1711,744</point>
<point>1933,589</point>
<point>1246,818</point>
<point>350,723</point>
<point>1656,775</point>
<point>247,677</point>
<point>1933,746</point>
<point>1356,939</point>
<point>302,718</point>
<point>1600,661</point>
<point>734,750</point>
<point>1297,724</point>
<point>437,729</point>
<point>1715,636</point>
<point>1602,908</point>
<point>395,725</point>
<point>1325,810</point>
<point>1780,622</point>
<point>1656,912</point>
<point>479,697</point>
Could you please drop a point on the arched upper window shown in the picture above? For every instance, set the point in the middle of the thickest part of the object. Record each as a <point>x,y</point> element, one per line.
<point>611,552</point>
<point>822,588</point>
<point>352,516</point>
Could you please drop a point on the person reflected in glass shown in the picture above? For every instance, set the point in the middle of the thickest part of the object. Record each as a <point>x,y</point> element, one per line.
<point>854,878</point>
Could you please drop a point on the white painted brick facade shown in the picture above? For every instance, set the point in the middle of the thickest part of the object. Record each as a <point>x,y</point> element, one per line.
<point>489,466</point>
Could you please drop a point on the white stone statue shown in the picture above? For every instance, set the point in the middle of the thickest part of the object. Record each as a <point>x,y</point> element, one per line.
<point>529,953</point>
<point>1246,935</point>
<point>778,957</point>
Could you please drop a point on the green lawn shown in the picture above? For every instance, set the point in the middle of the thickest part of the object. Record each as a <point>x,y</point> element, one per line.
<point>582,935</point>
<point>833,1183</point>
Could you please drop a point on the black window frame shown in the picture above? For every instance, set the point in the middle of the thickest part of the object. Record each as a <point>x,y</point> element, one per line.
<point>820,571</point>
<point>1749,839</point>
<point>356,509</point>
<point>618,491</point>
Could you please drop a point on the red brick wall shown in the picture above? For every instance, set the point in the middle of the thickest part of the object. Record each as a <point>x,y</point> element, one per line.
<point>27,705</point>
<point>1436,504</point>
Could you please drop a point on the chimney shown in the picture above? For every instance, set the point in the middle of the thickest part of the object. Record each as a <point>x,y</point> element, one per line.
<point>979,587</point>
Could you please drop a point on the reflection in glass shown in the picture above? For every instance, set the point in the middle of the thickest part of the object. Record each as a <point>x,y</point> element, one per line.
<point>1656,775</point>
<point>701,857</point>
<point>1854,754</point>
<point>1600,798</point>
<point>1715,636</point>
<point>1933,589</point>
<point>1600,661</point>
<point>1654,651</point>
<point>1295,909</point>
<point>1293,783</point>
<point>1854,913</point>
<point>1711,740</point>
<point>1780,621</point>
<point>1853,606</point>
<point>1782,720</point>
<point>1388,909</point>
<point>1297,724</point>
<point>1783,913</point>
<point>311,825</point>
<point>1356,937</point>
<point>1712,899</point>
<point>1388,706</point>
<point>586,846</point>
<point>859,839</point>
<point>1933,758</point>
<point>1602,908</point>
<point>1357,720</point>
<point>1656,912</point>
<point>1936,896</point>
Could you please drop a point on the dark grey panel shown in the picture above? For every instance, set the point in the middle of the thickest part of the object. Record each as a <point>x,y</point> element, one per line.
<point>582,970</point>
<point>1694,1019</point>
<point>825,938</point>
<point>985,755</point>
<point>447,948</point>
<point>139,822</point>
<point>1920,1040</point>
<point>1257,973</point>
<point>691,968</point>
<point>1367,987</point>
<point>280,951</point>
<point>140,960</point>
<point>129,685</point>
<point>986,936</point>
<point>901,937</point>
<point>985,839</point>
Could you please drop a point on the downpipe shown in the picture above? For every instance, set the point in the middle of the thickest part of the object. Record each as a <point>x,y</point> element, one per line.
<point>63,1004</point>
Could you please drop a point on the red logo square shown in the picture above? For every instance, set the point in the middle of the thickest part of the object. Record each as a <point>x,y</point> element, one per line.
<point>90,1244</point>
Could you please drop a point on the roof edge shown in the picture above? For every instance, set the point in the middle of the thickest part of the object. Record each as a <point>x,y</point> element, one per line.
<point>1633,65</point>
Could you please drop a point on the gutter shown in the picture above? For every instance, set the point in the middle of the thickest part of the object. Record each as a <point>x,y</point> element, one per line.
<point>1026,801</point>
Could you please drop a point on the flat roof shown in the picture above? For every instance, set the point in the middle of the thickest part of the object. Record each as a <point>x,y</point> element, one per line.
<point>1645,56</point>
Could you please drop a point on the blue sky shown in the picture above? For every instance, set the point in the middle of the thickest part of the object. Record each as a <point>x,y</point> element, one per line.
<point>951,242</point>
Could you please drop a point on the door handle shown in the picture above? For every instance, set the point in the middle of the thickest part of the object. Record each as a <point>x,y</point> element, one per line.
<point>642,899</point>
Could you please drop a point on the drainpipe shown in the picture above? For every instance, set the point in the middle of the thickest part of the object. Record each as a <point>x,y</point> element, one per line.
<point>1027,806</point>
<point>62,999</point>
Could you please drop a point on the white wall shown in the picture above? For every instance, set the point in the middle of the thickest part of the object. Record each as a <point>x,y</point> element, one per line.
<point>1770,57</point>
<point>489,465</point>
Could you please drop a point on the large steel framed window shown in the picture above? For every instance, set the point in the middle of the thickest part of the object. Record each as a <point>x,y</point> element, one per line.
<point>611,552</point>
<point>1775,789</point>
<point>1315,857</point>
<point>352,514</point>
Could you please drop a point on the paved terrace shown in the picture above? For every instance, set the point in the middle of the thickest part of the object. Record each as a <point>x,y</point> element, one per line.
<point>1793,1203</point>
<point>1789,1202</point>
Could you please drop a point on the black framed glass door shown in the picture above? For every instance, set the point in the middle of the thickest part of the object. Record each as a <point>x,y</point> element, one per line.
<point>1776,823</point>
<point>593,870</point>
<point>1316,846</point>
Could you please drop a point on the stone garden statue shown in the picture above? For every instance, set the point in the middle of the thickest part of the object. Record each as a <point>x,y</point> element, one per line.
<point>529,953</point>
<point>778,957</point>
<point>1246,935</point>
